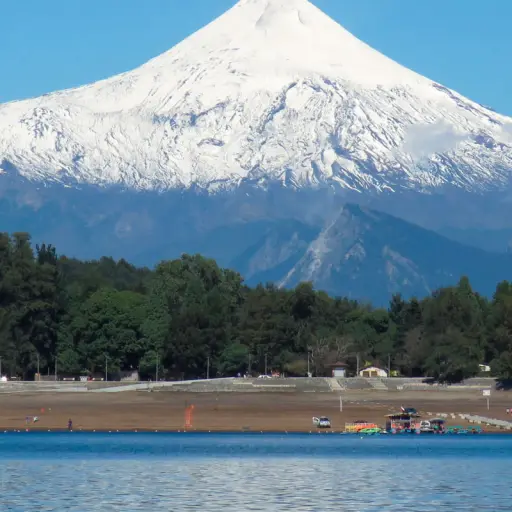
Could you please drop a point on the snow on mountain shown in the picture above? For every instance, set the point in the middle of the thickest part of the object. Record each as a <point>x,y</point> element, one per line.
<point>273,90</point>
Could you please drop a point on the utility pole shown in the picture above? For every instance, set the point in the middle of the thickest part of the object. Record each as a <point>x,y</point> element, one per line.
<point>55,366</point>
<point>389,365</point>
<point>308,363</point>
<point>106,368</point>
<point>249,369</point>
<point>156,373</point>
<point>0,366</point>
<point>357,371</point>
<point>265,363</point>
<point>38,374</point>
<point>208,368</point>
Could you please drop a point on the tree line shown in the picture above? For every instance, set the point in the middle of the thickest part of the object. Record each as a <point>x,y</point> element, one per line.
<point>189,317</point>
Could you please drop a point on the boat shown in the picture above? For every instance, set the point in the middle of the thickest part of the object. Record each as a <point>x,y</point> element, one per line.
<point>371,431</point>
<point>459,430</point>
<point>433,426</point>
<point>358,426</point>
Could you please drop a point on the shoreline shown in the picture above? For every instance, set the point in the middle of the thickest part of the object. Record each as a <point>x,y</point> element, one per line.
<point>146,430</point>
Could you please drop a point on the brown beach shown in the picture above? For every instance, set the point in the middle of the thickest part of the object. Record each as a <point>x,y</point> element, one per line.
<point>262,411</point>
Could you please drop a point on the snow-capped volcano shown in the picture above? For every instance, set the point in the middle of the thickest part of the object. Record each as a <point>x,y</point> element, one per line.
<point>273,90</point>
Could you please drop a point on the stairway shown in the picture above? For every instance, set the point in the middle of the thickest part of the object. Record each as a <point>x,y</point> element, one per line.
<point>377,384</point>
<point>334,384</point>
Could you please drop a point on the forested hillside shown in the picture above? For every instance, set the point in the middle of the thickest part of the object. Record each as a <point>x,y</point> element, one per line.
<point>82,315</point>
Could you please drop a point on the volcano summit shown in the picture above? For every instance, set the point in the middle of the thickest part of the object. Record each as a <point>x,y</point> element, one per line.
<point>271,91</point>
<point>248,142</point>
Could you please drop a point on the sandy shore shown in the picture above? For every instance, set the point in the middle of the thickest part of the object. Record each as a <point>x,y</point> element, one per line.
<point>230,411</point>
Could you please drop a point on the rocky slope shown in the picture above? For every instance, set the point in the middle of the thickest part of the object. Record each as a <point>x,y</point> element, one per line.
<point>366,254</point>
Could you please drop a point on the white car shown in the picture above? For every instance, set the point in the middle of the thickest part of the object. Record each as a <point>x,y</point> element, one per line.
<point>264,377</point>
<point>322,422</point>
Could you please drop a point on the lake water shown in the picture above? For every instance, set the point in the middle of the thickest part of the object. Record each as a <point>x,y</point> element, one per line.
<point>90,472</point>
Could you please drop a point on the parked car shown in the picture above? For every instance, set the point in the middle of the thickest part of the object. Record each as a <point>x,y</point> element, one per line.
<point>322,422</point>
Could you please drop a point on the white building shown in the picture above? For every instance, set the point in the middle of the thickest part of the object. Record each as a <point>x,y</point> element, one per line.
<point>373,371</point>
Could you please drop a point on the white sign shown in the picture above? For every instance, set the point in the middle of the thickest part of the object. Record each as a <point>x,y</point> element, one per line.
<point>486,392</point>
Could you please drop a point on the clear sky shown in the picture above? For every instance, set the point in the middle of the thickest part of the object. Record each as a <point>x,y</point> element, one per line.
<point>54,44</point>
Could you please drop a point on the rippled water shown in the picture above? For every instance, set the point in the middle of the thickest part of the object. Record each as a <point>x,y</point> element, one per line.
<point>245,472</point>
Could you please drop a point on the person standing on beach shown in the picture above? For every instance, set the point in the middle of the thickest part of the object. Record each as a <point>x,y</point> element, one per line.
<point>70,425</point>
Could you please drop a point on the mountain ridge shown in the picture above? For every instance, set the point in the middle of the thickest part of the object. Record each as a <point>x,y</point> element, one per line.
<point>365,254</point>
<point>266,236</point>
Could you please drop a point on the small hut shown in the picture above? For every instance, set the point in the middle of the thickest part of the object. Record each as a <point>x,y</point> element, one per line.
<point>339,370</point>
<point>403,422</point>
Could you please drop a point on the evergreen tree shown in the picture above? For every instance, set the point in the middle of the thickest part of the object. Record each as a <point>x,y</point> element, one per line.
<point>76,315</point>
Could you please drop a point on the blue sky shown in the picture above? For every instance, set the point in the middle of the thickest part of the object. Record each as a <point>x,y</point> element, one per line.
<point>55,44</point>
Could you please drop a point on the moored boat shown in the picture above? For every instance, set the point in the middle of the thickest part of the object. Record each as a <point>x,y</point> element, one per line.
<point>433,426</point>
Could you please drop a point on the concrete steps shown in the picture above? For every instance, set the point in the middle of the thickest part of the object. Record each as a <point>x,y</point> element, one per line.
<point>377,384</point>
<point>354,383</point>
<point>335,385</point>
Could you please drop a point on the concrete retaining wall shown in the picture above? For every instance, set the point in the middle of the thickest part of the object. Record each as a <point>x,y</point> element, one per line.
<point>311,385</point>
<point>412,384</point>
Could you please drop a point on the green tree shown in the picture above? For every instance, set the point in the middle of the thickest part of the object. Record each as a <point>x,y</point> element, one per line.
<point>234,359</point>
<point>107,331</point>
<point>453,357</point>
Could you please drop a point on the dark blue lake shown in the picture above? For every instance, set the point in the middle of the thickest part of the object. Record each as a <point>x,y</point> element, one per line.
<point>244,472</point>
